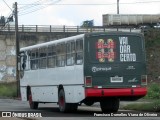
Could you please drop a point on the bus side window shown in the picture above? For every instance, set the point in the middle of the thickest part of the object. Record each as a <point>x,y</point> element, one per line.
<point>51,56</point>
<point>28,60</point>
<point>61,54</point>
<point>70,53</point>
<point>34,59</point>
<point>79,51</point>
<point>42,57</point>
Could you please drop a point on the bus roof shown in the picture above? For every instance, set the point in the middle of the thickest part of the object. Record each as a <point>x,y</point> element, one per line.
<point>114,33</point>
<point>78,37</point>
<point>52,42</point>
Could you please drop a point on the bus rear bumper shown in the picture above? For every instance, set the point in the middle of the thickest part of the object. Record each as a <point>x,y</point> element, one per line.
<point>118,92</point>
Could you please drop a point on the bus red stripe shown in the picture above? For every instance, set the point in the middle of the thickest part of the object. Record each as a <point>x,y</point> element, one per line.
<point>95,92</point>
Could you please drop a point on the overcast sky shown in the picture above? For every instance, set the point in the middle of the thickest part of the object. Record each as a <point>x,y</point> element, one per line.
<point>64,12</point>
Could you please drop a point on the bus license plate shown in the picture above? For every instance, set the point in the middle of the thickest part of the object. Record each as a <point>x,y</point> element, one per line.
<point>116,79</point>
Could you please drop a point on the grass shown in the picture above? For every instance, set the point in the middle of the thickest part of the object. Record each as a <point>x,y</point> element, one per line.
<point>8,90</point>
<point>153,96</point>
<point>148,107</point>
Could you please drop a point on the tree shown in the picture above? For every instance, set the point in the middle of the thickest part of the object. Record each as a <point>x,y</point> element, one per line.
<point>2,21</point>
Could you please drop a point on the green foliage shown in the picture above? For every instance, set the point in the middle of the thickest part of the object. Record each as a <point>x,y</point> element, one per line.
<point>152,38</point>
<point>153,98</point>
<point>152,44</point>
<point>153,91</point>
<point>8,89</point>
<point>150,107</point>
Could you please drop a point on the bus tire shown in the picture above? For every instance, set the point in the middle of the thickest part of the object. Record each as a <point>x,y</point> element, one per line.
<point>109,105</point>
<point>63,106</point>
<point>32,104</point>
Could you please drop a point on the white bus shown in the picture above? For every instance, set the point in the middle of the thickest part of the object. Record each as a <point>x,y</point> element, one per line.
<point>87,68</point>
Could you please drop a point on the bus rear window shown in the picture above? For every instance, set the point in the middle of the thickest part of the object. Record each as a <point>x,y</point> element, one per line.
<point>115,48</point>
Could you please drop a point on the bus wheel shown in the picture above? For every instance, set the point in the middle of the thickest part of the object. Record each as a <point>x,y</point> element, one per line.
<point>33,105</point>
<point>109,104</point>
<point>63,106</point>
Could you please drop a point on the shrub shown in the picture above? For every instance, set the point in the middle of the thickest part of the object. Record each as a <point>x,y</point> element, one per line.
<point>153,91</point>
<point>8,89</point>
<point>150,107</point>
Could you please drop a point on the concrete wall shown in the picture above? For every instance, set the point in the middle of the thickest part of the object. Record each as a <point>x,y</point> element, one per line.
<point>8,50</point>
<point>7,58</point>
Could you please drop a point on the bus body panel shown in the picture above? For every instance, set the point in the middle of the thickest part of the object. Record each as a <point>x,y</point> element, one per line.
<point>115,63</point>
<point>74,93</point>
<point>131,76</point>
<point>44,83</point>
<point>48,81</point>
<point>44,93</point>
<point>23,93</point>
<point>54,76</point>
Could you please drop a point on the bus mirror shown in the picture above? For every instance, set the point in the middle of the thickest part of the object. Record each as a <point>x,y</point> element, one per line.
<point>24,61</point>
<point>24,57</point>
<point>23,65</point>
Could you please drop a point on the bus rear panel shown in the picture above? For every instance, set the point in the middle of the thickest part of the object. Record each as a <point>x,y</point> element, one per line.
<point>115,66</point>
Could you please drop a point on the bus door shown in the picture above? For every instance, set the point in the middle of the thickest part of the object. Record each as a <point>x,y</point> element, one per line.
<point>115,60</point>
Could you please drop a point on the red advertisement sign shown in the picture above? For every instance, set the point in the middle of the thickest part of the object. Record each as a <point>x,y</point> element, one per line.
<point>105,50</point>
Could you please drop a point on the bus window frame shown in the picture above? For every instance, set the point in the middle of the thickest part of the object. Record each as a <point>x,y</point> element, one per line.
<point>28,59</point>
<point>36,58</point>
<point>43,59</point>
<point>71,53</point>
<point>52,57</point>
<point>60,61</point>
<point>81,52</point>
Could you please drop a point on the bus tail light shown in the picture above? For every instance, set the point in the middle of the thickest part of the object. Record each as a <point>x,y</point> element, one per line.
<point>88,81</point>
<point>144,80</point>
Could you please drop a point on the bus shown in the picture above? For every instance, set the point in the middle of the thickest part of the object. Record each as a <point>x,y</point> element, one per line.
<point>106,67</point>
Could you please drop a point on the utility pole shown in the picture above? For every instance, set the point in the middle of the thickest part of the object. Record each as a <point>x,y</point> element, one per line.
<point>17,48</point>
<point>117,6</point>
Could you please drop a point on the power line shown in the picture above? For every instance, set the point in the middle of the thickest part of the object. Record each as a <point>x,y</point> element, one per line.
<point>39,8</point>
<point>7,4</point>
<point>29,6</point>
<point>38,5</point>
<point>142,2</point>
<point>39,2</point>
<point>31,11</point>
<point>95,4</point>
<point>24,11</point>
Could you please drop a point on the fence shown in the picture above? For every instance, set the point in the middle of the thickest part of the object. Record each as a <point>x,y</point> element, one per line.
<point>71,29</point>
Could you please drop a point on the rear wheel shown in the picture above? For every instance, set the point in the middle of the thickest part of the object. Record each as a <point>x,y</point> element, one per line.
<point>63,106</point>
<point>32,104</point>
<point>109,104</point>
